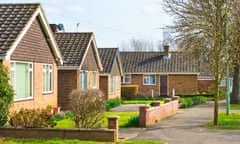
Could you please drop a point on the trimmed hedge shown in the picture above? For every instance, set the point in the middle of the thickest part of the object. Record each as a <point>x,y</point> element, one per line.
<point>111,103</point>
<point>129,91</point>
<point>190,101</point>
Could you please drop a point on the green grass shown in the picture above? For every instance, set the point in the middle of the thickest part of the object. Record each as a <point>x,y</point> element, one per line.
<point>226,122</point>
<point>141,101</point>
<point>124,119</point>
<point>235,106</point>
<point>59,141</point>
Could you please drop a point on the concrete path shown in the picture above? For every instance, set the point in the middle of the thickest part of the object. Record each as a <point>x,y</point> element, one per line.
<point>186,127</point>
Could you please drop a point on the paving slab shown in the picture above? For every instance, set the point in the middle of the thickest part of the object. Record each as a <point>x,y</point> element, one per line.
<point>186,127</point>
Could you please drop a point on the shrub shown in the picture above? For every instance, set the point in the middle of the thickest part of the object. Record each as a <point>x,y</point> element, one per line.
<point>88,107</point>
<point>6,95</point>
<point>133,121</point>
<point>129,91</point>
<point>32,118</point>
<point>112,103</point>
<point>189,101</point>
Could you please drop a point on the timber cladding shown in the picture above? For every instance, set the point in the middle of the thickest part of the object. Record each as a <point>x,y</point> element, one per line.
<point>34,46</point>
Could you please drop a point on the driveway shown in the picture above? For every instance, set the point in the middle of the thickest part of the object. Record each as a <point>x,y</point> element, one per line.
<point>186,127</point>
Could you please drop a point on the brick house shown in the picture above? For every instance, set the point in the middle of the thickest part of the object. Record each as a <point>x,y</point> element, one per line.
<point>110,77</point>
<point>81,66</point>
<point>158,73</point>
<point>30,54</point>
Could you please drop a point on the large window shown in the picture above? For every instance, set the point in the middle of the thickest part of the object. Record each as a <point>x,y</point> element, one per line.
<point>149,80</point>
<point>126,79</point>
<point>47,78</point>
<point>83,80</point>
<point>112,84</point>
<point>94,79</point>
<point>22,80</point>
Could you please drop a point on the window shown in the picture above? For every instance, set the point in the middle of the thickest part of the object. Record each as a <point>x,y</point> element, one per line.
<point>126,79</point>
<point>94,79</point>
<point>47,78</point>
<point>149,80</point>
<point>112,84</point>
<point>22,80</point>
<point>83,80</point>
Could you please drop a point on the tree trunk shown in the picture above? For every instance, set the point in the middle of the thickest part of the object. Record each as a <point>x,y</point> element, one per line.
<point>235,99</point>
<point>216,99</point>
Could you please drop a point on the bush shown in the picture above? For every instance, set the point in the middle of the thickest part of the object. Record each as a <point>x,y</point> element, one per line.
<point>32,118</point>
<point>6,95</point>
<point>129,91</point>
<point>112,103</point>
<point>88,107</point>
<point>189,101</point>
<point>133,121</point>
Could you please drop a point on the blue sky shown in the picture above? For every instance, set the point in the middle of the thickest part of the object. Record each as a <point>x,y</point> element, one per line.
<point>112,21</point>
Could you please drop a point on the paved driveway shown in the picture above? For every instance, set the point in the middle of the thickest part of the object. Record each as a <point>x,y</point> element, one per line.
<point>186,127</point>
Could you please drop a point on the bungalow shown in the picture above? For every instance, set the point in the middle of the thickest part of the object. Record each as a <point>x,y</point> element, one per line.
<point>81,66</point>
<point>110,77</point>
<point>159,73</point>
<point>30,54</point>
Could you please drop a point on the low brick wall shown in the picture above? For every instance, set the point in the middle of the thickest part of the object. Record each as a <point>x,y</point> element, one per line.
<point>149,116</point>
<point>103,135</point>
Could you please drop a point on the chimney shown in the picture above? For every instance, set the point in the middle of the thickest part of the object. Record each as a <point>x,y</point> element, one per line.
<point>166,50</point>
<point>54,28</point>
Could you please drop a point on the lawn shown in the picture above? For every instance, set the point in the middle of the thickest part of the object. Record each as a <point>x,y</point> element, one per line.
<point>235,106</point>
<point>59,141</point>
<point>227,122</point>
<point>125,118</point>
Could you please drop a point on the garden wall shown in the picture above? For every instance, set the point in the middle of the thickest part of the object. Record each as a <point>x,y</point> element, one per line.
<point>103,135</point>
<point>149,116</point>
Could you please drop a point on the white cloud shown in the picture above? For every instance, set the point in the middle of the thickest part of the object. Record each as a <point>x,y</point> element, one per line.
<point>151,10</point>
<point>76,9</point>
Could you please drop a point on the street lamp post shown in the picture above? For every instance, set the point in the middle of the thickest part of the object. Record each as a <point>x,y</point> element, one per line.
<point>227,57</point>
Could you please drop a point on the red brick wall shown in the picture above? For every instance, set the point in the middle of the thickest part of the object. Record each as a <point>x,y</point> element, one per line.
<point>68,80</point>
<point>34,48</point>
<point>90,62</point>
<point>149,116</point>
<point>183,84</point>
<point>204,85</point>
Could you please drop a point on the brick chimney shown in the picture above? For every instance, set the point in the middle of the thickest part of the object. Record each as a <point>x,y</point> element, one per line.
<point>54,28</point>
<point>166,50</point>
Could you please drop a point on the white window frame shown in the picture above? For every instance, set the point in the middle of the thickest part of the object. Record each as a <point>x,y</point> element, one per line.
<point>13,74</point>
<point>148,76</point>
<point>112,85</point>
<point>94,79</point>
<point>124,79</point>
<point>45,81</point>
<point>82,81</point>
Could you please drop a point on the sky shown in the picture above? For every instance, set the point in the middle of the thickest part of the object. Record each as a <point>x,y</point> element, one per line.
<point>113,22</point>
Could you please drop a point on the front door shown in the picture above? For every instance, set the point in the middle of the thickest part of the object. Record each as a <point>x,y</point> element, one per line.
<point>163,85</point>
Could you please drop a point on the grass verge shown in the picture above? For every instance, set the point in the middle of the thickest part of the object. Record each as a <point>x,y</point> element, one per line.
<point>226,122</point>
<point>60,141</point>
<point>235,106</point>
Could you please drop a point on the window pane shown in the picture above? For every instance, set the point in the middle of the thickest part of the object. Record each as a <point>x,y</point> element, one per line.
<point>22,80</point>
<point>153,79</point>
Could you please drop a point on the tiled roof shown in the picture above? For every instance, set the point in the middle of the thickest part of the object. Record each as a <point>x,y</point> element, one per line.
<point>107,56</point>
<point>13,18</point>
<point>73,46</point>
<point>156,62</point>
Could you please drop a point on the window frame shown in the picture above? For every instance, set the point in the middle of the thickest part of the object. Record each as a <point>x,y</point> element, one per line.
<point>50,72</point>
<point>94,79</point>
<point>112,85</point>
<point>124,79</point>
<point>148,76</point>
<point>83,80</point>
<point>31,79</point>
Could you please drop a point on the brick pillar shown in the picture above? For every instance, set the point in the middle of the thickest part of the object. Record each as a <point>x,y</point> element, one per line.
<point>113,124</point>
<point>155,103</point>
<point>143,116</point>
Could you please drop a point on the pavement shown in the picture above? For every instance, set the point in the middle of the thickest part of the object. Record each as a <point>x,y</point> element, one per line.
<point>186,127</point>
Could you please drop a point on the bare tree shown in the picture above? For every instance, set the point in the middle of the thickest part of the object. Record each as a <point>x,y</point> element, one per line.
<point>138,45</point>
<point>200,25</point>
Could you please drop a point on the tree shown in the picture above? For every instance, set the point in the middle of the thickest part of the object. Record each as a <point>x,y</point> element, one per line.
<point>234,22</point>
<point>88,107</point>
<point>6,95</point>
<point>138,45</point>
<point>200,25</point>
